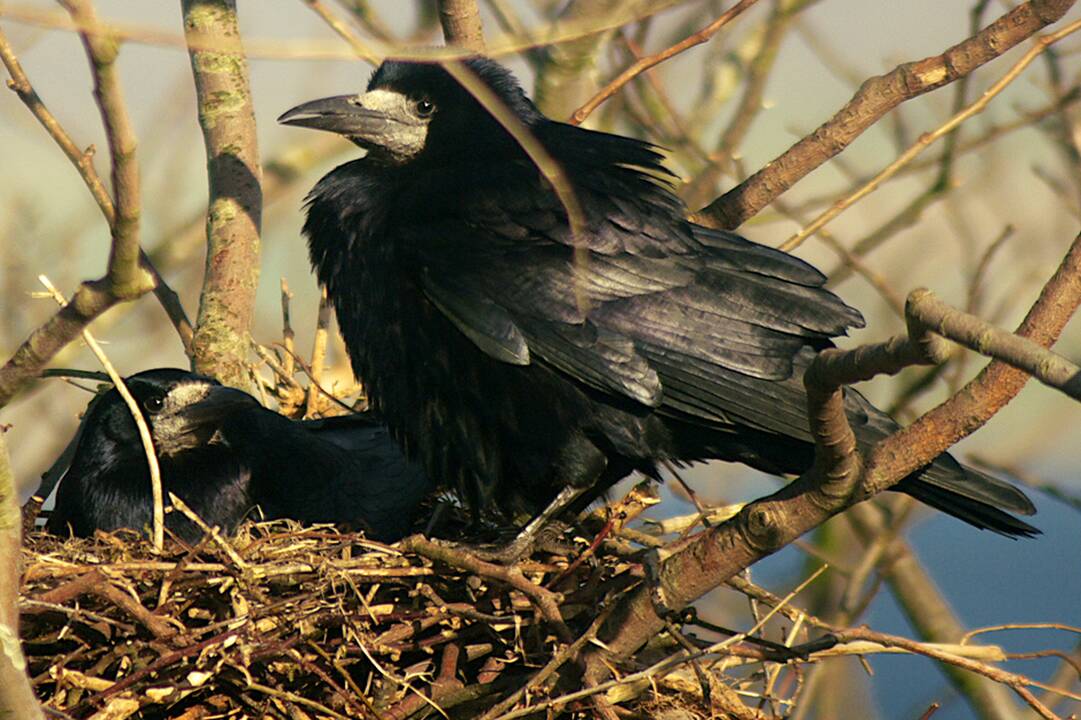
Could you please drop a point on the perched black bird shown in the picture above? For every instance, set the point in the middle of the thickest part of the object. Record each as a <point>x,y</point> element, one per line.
<point>223,454</point>
<point>521,361</point>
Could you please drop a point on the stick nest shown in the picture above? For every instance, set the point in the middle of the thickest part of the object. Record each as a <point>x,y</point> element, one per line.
<point>289,622</point>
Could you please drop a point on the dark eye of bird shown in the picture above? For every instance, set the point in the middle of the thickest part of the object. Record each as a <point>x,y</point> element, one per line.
<point>154,403</point>
<point>425,107</point>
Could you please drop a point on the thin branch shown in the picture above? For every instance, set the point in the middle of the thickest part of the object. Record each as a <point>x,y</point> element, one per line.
<point>319,354</point>
<point>559,659</point>
<point>667,663</point>
<point>748,107</point>
<point>344,31</point>
<point>124,279</point>
<point>876,97</point>
<point>985,395</point>
<point>649,61</point>
<point>566,73</point>
<point>127,279</point>
<point>83,162</point>
<point>317,49</point>
<point>288,336</point>
<point>976,334</point>
<point>1018,683</point>
<point>927,139</point>
<point>929,612</point>
<point>546,601</point>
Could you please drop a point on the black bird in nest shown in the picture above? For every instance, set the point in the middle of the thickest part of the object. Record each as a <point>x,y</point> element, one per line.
<point>526,362</point>
<point>224,454</point>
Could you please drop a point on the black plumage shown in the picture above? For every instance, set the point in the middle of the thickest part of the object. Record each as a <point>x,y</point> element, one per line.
<point>224,454</point>
<point>516,358</point>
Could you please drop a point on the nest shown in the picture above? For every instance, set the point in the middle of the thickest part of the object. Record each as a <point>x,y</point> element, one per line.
<point>284,621</point>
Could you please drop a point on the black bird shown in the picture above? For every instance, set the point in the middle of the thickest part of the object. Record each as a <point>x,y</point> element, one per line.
<point>522,361</point>
<point>222,453</point>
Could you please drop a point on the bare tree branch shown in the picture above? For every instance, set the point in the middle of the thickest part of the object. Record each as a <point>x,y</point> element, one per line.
<point>344,31</point>
<point>566,76</point>
<point>875,98</point>
<point>16,696</point>
<point>976,334</point>
<point>158,512</point>
<point>928,612</point>
<point>750,104</point>
<point>947,129</point>
<point>649,61</point>
<point>83,162</point>
<point>1017,683</point>
<point>234,214</point>
<point>461,24</point>
<point>125,279</point>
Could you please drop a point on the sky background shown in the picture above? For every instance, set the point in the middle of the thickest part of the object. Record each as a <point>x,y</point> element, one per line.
<point>49,224</point>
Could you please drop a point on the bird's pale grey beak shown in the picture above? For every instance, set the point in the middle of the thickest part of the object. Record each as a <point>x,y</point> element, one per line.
<point>342,114</point>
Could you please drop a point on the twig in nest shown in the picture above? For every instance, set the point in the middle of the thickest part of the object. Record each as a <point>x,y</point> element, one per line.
<point>211,531</point>
<point>545,600</point>
<point>319,354</point>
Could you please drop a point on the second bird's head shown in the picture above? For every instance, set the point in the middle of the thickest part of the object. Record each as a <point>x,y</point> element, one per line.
<point>183,410</point>
<point>415,112</point>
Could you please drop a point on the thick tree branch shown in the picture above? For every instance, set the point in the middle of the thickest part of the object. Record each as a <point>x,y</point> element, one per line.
<point>461,24</point>
<point>234,215</point>
<point>976,334</point>
<point>836,481</point>
<point>875,98</point>
<point>16,696</point>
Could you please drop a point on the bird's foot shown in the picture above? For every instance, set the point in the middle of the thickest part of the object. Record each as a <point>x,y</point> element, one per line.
<point>548,539</point>
<point>511,553</point>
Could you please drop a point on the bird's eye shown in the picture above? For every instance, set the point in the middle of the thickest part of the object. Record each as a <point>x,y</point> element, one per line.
<point>425,107</point>
<point>154,403</point>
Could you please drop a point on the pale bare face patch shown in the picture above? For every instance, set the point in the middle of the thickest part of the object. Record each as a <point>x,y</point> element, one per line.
<point>172,432</point>
<point>405,131</point>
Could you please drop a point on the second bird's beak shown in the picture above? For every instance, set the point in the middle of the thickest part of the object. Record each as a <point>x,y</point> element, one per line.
<point>342,114</point>
<point>215,406</point>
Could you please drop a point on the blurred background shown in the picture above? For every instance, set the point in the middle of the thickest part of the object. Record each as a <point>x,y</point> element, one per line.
<point>986,238</point>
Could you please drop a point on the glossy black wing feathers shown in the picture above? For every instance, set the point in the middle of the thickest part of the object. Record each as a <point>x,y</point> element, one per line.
<point>638,292</point>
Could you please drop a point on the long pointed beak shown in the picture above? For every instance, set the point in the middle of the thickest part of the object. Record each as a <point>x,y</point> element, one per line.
<point>215,406</point>
<point>341,114</point>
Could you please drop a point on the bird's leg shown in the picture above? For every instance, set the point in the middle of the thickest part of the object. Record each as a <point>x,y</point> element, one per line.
<point>522,545</point>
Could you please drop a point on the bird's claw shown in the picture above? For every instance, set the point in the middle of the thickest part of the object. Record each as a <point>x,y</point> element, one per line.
<point>510,553</point>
